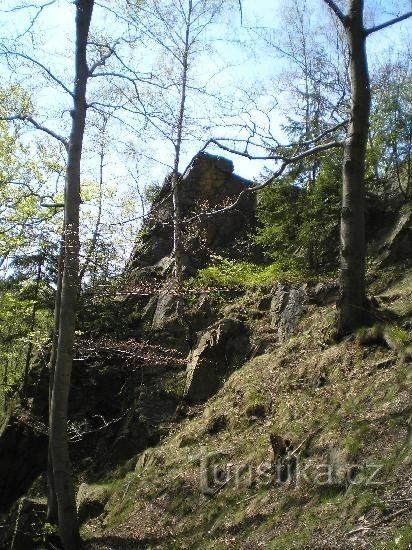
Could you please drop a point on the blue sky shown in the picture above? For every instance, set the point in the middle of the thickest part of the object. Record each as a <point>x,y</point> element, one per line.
<point>54,46</point>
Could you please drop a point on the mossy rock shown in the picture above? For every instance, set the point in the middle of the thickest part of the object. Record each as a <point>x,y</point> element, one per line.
<point>91,500</point>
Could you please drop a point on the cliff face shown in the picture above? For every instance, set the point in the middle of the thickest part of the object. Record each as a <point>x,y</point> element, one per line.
<point>209,184</point>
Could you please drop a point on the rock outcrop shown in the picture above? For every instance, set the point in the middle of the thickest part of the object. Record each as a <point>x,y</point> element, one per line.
<point>395,245</point>
<point>207,185</point>
<point>91,500</point>
<point>223,347</point>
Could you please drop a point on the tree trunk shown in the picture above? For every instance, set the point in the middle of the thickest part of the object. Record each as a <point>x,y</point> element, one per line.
<point>352,307</point>
<point>177,214</point>
<point>52,510</point>
<point>68,523</point>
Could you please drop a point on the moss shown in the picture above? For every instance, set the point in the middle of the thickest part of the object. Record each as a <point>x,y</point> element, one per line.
<point>174,385</point>
<point>400,540</point>
<point>354,413</point>
<point>365,502</point>
<point>293,539</point>
<point>399,336</point>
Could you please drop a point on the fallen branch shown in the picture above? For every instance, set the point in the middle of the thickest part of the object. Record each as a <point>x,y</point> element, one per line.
<point>380,522</point>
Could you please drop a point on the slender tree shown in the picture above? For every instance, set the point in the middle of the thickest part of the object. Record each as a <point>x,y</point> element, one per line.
<point>177,31</point>
<point>63,483</point>
<point>353,309</point>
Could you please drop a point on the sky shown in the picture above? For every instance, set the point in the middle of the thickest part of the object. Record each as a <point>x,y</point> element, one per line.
<point>251,66</point>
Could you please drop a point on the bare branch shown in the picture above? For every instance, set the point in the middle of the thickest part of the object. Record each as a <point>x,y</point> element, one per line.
<point>388,23</point>
<point>244,154</point>
<point>339,14</point>
<point>286,162</point>
<point>43,67</point>
<point>102,61</point>
<point>241,12</point>
<point>38,126</point>
<point>317,138</point>
<point>272,156</point>
<point>35,17</point>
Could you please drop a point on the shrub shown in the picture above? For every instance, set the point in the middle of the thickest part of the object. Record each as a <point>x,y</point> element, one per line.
<point>299,226</point>
<point>231,274</point>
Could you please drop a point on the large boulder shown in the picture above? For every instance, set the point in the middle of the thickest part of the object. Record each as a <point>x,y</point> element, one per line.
<point>166,311</point>
<point>396,243</point>
<point>223,347</point>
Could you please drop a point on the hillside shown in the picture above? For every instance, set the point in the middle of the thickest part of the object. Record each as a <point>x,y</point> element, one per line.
<point>346,405</point>
<point>223,411</point>
<point>218,474</point>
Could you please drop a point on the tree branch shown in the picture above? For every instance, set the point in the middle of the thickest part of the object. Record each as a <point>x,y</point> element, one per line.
<point>38,126</point>
<point>43,67</point>
<point>102,60</point>
<point>339,14</point>
<point>283,158</point>
<point>286,162</point>
<point>318,137</point>
<point>388,23</point>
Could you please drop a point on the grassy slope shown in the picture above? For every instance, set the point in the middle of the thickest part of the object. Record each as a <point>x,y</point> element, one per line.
<point>352,403</point>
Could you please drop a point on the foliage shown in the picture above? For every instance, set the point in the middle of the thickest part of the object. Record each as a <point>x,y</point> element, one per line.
<point>299,225</point>
<point>390,145</point>
<point>23,185</point>
<point>28,235</point>
<point>17,330</point>
<point>230,274</point>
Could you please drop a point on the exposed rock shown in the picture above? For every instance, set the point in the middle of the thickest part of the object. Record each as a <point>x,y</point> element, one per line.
<point>223,347</point>
<point>207,184</point>
<point>265,303</point>
<point>149,311</point>
<point>262,345</point>
<point>133,436</point>
<point>169,326</point>
<point>91,500</point>
<point>324,294</point>
<point>23,456</point>
<point>217,424</point>
<point>395,244</point>
<point>384,363</point>
<point>202,313</point>
<point>166,309</point>
<point>287,308</point>
<point>256,410</point>
<point>150,457</point>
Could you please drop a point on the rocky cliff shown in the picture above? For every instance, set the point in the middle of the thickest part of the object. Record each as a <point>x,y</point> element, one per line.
<point>252,378</point>
<point>209,184</point>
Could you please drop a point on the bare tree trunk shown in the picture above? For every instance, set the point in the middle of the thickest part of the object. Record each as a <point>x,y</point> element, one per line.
<point>68,523</point>
<point>52,509</point>
<point>352,308</point>
<point>353,311</point>
<point>177,214</point>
